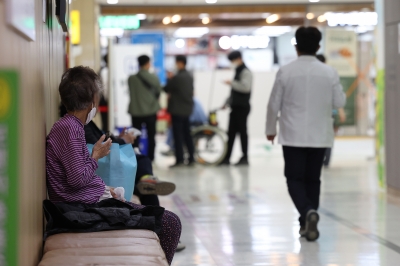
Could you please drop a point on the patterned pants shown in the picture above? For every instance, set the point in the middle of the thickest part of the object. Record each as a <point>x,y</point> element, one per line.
<point>170,232</point>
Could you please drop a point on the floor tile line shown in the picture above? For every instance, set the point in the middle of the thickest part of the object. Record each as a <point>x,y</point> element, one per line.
<point>216,255</point>
<point>361,231</point>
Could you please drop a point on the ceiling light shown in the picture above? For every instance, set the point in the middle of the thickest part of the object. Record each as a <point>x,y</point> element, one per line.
<point>203,15</point>
<point>176,18</point>
<point>272,31</point>
<point>112,2</point>
<point>266,15</point>
<point>310,16</point>
<point>166,20</point>
<point>191,32</point>
<point>206,20</point>
<point>141,16</point>
<point>321,18</point>
<point>225,42</point>
<point>273,18</point>
<point>352,19</point>
<point>314,1</point>
<point>180,43</point>
<point>251,42</point>
<point>211,1</point>
<point>362,29</point>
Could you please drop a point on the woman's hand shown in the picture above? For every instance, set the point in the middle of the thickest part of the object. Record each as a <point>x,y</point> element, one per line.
<point>101,149</point>
<point>113,193</point>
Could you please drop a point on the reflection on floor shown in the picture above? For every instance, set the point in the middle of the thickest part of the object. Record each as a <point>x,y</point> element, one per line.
<point>244,216</point>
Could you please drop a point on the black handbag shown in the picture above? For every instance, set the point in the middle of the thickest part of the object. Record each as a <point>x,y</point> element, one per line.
<point>150,87</point>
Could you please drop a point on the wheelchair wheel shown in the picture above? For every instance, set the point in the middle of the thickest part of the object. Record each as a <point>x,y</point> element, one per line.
<point>210,145</point>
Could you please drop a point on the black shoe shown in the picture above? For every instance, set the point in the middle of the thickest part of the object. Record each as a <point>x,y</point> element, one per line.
<point>168,153</point>
<point>180,247</point>
<point>177,165</point>
<point>151,185</point>
<point>242,161</point>
<point>224,163</point>
<point>191,163</point>
<point>312,220</point>
<point>302,231</point>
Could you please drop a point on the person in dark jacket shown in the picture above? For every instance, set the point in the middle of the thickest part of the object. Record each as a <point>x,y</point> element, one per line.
<point>239,101</point>
<point>147,186</point>
<point>180,106</point>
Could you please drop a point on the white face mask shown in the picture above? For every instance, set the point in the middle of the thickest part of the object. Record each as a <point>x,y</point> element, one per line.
<point>91,115</point>
<point>234,64</point>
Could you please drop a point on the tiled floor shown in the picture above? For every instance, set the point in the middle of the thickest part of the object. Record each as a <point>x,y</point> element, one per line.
<point>244,216</point>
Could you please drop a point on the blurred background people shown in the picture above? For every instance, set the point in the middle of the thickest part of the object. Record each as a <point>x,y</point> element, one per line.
<point>197,118</point>
<point>144,90</point>
<point>239,102</point>
<point>304,94</point>
<point>180,105</point>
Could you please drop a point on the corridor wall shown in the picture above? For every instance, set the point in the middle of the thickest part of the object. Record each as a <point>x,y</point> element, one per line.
<point>392,92</point>
<point>40,65</point>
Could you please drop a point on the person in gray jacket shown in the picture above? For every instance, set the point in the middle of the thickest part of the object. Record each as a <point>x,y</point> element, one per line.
<point>180,105</point>
<point>144,89</point>
<point>239,101</point>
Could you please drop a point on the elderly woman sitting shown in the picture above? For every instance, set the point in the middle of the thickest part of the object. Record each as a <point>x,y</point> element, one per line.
<point>71,169</point>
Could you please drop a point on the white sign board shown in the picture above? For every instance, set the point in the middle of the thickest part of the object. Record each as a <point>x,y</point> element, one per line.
<point>20,15</point>
<point>341,51</point>
<point>123,64</point>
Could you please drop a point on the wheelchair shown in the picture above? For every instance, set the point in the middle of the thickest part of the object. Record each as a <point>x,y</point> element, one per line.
<point>210,142</point>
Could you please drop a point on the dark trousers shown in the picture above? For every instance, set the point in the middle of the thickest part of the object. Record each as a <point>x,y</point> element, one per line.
<point>144,167</point>
<point>303,171</point>
<point>150,122</point>
<point>181,130</point>
<point>328,155</point>
<point>238,125</point>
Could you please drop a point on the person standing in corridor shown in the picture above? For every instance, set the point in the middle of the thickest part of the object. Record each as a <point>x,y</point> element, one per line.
<point>304,94</point>
<point>239,102</point>
<point>180,105</point>
<point>145,89</point>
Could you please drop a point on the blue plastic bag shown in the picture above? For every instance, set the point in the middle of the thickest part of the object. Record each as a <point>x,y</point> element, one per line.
<point>118,169</point>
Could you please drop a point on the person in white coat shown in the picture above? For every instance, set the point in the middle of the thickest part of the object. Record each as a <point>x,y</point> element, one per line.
<point>303,97</point>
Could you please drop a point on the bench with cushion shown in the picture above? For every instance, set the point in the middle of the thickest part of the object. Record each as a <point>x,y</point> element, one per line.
<point>122,247</point>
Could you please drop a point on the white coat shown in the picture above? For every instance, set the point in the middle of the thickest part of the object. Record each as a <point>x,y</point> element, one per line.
<point>304,94</point>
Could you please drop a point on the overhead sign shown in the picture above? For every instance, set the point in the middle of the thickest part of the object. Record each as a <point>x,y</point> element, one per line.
<point>20,15</point>
<point>9,168</point>
<point>157,41</point>
<point>120,22</point>
<point>341,54</point>
<point>341,51</point>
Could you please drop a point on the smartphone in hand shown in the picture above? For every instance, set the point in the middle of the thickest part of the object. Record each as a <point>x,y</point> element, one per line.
<point>108,135</point>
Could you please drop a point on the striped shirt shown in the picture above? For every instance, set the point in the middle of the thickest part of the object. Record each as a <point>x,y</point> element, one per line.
<point>69,168</point>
